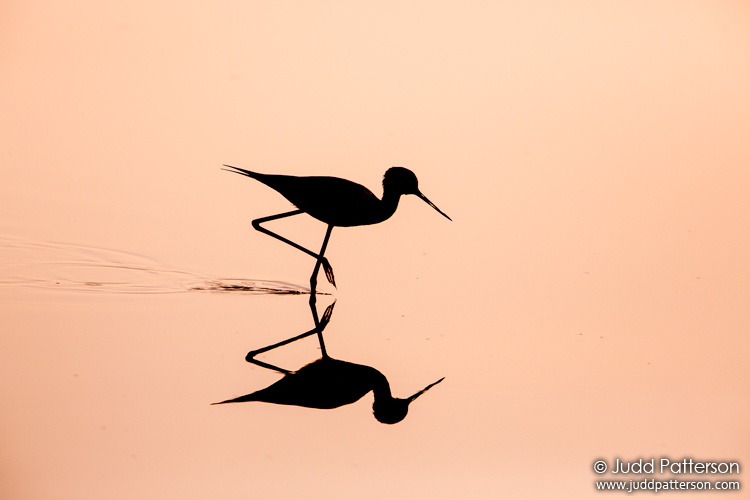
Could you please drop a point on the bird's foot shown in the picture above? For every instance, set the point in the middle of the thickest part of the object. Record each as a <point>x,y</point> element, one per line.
<point>329,272</point>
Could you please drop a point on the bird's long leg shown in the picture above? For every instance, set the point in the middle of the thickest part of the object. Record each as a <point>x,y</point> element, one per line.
<point>313,286</point>
<point>320,260</point>
<point>319,327</point>
<point>314,277</point>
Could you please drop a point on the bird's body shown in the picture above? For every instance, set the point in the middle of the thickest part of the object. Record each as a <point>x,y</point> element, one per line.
<point>336,202</point>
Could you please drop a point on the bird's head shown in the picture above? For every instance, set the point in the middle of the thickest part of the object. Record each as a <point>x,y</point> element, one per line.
<point>401,180</point>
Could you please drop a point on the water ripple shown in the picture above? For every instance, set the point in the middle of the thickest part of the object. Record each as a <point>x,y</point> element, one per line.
<point>79,268</point>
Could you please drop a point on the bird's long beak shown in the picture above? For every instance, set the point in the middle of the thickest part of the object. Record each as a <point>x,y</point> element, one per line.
<point>415,396</point>
<point>426,200</point>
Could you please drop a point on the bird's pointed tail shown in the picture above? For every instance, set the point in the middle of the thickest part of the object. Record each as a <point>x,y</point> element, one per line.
<point>241,171</point>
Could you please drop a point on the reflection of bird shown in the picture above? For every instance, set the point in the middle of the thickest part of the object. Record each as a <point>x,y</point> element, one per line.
<point>337,202</point>
<point>330,383</point>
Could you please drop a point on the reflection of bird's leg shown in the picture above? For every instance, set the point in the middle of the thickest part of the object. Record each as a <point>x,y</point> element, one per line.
<point>323,322</point>
<point>318,257</point>
<point>320,326</point>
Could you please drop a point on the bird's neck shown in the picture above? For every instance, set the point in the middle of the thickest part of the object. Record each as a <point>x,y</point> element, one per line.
<point>389,204</point>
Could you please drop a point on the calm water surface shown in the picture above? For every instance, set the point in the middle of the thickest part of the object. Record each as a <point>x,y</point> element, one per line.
<point>588,301</point>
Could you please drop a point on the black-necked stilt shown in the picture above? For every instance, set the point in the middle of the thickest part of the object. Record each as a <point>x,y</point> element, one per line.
<point>337,202</point>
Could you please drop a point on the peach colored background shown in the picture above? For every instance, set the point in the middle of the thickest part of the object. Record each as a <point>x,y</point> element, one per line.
<point>590,299</point>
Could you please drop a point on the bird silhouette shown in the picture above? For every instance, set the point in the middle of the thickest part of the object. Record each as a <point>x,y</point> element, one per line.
<point>336,202</point>
<point>329,383</point>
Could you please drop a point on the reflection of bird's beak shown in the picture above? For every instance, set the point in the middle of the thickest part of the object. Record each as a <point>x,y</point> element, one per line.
<point>415,396</point>
<point>424,198</point>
